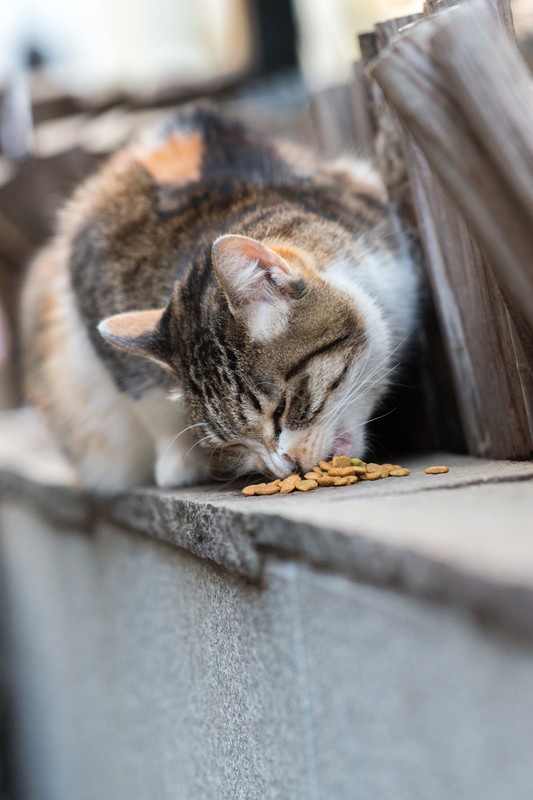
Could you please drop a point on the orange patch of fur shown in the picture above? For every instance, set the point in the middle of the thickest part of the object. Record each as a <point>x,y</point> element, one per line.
<point>298,259</point>
<point>50,384</point>
<point>132,323</point>
<point>44,299</point>
<point>177,161</point>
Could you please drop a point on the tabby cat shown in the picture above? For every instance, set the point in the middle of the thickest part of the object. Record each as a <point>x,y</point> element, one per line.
<point>214,303</point>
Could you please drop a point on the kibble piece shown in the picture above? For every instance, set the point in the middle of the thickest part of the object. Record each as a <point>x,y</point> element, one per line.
<point>340,481</point>
<point>311,476</point>
<point>337,462</point>
<point>325,480</point>
<point>318,470</point>
<point>268,488</point>
<point>248,489</point>
<point>289,484</point>
<point>373,467</point>
<point>306,486</point>
<point>371,476</point>
<point>356,462</point>
<point>350,479</point>
<point>400,472</point>
<point>436,470</point>
<point>385,473</point>
<point>325,465</point>
<point>342,472</point>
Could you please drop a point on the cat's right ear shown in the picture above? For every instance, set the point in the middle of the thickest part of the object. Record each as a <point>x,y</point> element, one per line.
<point>143,333</point>
<point>258,282</point>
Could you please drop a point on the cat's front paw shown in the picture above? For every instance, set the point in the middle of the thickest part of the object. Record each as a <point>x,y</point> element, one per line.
<point>171,472</point>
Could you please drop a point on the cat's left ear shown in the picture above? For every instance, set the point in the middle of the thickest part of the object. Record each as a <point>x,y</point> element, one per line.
<point>259,284</point>
<point>143,333</point>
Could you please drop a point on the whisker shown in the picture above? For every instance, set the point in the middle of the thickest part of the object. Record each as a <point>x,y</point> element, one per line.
<point>343,401</point>
<point>380,416</point>
<point>177,436</point>
<point>208,468</point>
<point>341,404</point>
<point>379,378</point>
<point>355,394</point>
<point>203,439</point>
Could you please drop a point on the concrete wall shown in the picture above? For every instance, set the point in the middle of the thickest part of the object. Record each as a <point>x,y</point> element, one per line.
<point>143,672</point>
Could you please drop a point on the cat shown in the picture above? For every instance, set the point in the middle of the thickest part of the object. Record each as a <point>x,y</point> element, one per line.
<point>215,303</point>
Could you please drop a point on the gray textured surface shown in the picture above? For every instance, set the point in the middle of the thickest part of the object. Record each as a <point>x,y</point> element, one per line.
<point>465,537</point>
<point>144,672</point>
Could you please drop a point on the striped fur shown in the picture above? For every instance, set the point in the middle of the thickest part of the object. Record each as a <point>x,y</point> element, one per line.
<point>262,288</point>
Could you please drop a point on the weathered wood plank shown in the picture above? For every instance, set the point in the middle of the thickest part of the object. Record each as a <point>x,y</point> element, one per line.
<point>424,97</point>
<point>491,83</point>
<point>495,403</point>
<point>493,89</point>
<point>362,120</point>
<point>501,10</point>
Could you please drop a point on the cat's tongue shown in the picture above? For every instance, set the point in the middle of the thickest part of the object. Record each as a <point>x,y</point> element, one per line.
<point>342,444</point>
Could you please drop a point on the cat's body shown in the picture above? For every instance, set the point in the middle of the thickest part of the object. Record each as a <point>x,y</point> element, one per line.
<point>273,300</point>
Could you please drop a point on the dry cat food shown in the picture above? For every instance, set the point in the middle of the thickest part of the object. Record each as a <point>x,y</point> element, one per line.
<point>340,471</point>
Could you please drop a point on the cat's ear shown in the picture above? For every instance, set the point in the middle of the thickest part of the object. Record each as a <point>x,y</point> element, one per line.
<point>142,333</point>
<point>259,284</point>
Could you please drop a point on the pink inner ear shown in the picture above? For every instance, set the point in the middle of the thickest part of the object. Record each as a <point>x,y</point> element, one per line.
<point>249,250</point>
<point>254,279</point>
<point>131,324</point>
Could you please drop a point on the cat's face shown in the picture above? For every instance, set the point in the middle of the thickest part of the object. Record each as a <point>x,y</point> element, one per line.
<point>283,374</point>
<point>278,417</point>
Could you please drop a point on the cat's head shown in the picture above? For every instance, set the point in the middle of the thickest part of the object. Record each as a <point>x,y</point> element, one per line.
<point>277,367</point>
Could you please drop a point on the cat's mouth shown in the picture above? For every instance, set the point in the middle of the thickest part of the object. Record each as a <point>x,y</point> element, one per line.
<point>277,466</point>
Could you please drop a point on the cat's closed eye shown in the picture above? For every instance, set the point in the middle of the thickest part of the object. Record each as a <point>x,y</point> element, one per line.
<point>277,415</point>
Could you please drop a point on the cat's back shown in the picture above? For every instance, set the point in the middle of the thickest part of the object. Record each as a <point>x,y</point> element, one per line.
<point>137,223</point>
<point>193,155</point>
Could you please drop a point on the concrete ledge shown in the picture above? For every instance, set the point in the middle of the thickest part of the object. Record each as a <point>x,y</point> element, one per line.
<point>140,670</point>
<point>462,538</point>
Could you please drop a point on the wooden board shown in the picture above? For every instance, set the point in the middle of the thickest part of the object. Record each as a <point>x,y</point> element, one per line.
<point>489,352</point>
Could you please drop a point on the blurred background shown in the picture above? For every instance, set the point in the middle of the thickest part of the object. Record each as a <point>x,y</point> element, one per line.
<point>113,46</point>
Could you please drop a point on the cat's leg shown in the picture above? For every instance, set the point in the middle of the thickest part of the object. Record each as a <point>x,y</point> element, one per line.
<point>96,424</point>
<point>111,447</point>
<point>178,459</point>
